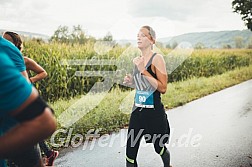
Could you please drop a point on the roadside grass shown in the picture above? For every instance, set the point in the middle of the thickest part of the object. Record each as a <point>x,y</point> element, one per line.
<point>180,93</point>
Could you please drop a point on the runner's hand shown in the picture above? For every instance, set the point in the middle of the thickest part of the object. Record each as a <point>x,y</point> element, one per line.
<point>128,79</point>
<point>139,62</point>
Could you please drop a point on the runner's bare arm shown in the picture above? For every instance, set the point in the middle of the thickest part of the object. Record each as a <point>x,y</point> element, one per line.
<point>35,67</point>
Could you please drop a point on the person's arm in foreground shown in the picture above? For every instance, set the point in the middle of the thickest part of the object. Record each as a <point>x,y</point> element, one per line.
<point>27,133</point>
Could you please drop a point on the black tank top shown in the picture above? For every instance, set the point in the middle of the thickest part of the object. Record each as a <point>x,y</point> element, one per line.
<point>143,84</point>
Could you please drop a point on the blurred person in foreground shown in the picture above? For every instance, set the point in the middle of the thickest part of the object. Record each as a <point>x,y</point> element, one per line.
<point>20,103</point>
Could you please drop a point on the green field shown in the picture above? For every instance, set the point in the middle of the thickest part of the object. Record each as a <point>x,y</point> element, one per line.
<point>61,82</point>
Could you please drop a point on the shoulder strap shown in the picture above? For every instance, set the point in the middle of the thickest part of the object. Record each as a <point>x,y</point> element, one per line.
<point>150,61</point>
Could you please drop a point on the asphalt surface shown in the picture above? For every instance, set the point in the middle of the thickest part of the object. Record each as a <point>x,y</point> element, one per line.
<point>214,131</point>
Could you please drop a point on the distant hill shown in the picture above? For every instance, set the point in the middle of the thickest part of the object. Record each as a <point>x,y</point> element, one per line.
<point>213,39</point>
<point>29,35</point>
<point>210,39</point>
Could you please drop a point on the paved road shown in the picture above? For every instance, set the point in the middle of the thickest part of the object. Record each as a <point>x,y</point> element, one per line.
<point>214,131</point>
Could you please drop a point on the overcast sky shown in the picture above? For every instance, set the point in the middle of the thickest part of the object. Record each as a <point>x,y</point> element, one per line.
<point>122,18</point>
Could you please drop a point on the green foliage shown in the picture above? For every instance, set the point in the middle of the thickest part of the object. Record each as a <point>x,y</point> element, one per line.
<point>108,37</point>
<point>62,82</point>
<point>206,63</point>
<point>199,45</point>
<point>61,35</point>
<point>244,8</point>
<point>76,36</point>
<point>239,42</point>
<point>227,46</point>
<point>250,44</point>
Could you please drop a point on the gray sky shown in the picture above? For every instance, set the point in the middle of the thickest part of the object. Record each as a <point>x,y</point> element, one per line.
<point>122,18</point>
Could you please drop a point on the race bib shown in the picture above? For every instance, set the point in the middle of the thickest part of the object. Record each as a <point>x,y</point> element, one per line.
<point>144,99</point>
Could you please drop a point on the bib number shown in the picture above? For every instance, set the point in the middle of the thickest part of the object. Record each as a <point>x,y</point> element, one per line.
<point>144,99</point>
